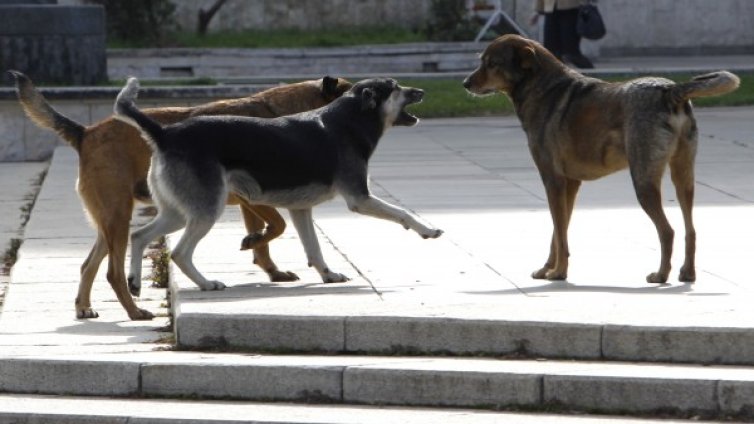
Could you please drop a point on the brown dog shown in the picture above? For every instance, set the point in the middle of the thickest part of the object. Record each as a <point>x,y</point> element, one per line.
<point>582,128</point>
<point>113,167</point>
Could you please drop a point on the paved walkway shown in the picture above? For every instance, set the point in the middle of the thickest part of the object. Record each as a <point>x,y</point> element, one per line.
<point>38,315</point>
<point>474,179</point>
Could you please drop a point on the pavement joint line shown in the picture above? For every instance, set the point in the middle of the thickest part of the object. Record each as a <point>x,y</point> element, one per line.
<point>349,261</point>
<point>721,191</point>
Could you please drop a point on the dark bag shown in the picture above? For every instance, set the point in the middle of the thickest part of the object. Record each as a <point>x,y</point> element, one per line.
<point>590,24</point>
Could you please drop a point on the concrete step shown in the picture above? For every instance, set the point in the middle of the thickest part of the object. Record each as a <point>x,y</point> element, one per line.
<point>484,383</point>
<point>433,320</point>
<point>397,335</point>
<point>44,409</point>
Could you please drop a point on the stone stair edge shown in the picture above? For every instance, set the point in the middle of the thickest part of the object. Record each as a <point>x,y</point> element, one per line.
<point>43,409</point>
<point>677,390</point>
<point>458,336</point>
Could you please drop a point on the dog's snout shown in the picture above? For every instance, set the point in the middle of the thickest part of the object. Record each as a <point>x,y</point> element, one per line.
<point>416,94</point>
<point>467,83</point>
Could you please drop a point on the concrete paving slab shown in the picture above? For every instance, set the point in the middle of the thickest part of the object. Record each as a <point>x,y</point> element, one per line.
<point>441,388</point>
<point>284,382</point>
<point>643,396</point>
<point>70,377</point>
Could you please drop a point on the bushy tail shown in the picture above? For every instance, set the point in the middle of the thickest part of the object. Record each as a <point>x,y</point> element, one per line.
<point>41,113</point>
<point>712,84</point>
<point>125,110</point>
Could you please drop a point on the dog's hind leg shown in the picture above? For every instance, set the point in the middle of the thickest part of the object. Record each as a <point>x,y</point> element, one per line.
<point>88,272</point>
<point>647,178</point>
<point>302,221</point>
<point>682,174</point>
<point>196,229</point>
<point>117,244</point>
<point>167,221</point>
<point>254,218</point>
<point>378,208</point>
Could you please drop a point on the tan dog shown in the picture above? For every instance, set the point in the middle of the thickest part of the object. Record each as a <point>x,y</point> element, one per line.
<point>582,128</point>
<point>113,167</point>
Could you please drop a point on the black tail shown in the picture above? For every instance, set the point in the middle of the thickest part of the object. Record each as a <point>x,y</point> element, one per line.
<point>41,113</point>
<point>125,110</point>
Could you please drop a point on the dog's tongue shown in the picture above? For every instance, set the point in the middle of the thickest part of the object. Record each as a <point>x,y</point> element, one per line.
<point>406,119</point>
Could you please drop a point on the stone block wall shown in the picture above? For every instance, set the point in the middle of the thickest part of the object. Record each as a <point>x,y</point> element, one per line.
<point>635,27</point>
<point>54,44</point>
<point>341,61</point>
<point>306,14</point>
<point>22,140</point>
<point>678,27</point>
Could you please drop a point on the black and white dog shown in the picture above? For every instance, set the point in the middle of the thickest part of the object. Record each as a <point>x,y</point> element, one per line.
<point>293,162</point>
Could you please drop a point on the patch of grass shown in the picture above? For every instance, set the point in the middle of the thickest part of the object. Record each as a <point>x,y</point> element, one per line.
<point>447,97</point>
<point>345,36</point>
<point>160,256</point>
<point>10,256</point>
<point>160,83</point>
<point>744,96</point>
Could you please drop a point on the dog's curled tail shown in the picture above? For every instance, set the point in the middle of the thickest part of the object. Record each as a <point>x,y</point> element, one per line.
<point>712,84</point>
<point>42,113</point>
<point>125,110</point>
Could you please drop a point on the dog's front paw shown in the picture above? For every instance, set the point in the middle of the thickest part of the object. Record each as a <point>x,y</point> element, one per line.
<point>86,313</point>
<point>333,277</point>
<point>278,276</point>
<point>541,273</point>
<point>687,275</point>
<point>657,278</point>
<point>431,233</point>
<point>547,273</point>
<point>140,315</point>
<point>556,275</point>
<point>213,286</point>
<point>134,286</point>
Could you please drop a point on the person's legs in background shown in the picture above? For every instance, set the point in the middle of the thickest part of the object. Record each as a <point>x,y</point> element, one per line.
<point>569,38</point>
<point>552,38</point>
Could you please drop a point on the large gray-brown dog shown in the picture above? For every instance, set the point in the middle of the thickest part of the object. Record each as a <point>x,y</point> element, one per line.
<point>582,128</point>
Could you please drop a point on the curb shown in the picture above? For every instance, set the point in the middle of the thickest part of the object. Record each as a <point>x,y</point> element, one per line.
<point>446,382</point>
<point>446,336</point>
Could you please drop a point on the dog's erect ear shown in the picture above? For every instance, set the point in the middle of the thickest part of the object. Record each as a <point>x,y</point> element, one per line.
<point>368,100</point>
<point>329,86</point>
<point>528,57</point>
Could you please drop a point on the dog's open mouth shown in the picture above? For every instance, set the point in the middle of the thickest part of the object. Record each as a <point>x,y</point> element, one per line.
<point>413,96</point>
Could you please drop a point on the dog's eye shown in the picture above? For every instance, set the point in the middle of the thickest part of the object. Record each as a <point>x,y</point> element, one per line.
<point>494,63</point>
